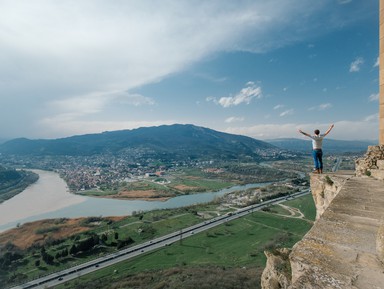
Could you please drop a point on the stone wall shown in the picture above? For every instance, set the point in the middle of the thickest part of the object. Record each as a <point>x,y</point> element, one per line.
<point>372,164</point>
<point>283,268</point>
<point>277,272</point>
<point>345,247</point>
<point>325,187</point>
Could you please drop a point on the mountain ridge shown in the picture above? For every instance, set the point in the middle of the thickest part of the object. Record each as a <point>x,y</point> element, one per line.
<point>181,140</point>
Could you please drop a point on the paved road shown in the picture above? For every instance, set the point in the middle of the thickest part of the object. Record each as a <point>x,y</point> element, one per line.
<point>125,254</point>
<point>337,165</point>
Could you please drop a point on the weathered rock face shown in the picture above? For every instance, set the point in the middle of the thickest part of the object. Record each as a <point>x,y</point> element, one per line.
<point>277,272</point>
<point>380,243</point>
<point>372,164</point>
<point>325,187</point>
<point>342,248</point>
<point>345,247</point>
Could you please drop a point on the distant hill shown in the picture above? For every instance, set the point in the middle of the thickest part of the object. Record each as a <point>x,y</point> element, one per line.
<point>330,145</point>
<point>172,141</point>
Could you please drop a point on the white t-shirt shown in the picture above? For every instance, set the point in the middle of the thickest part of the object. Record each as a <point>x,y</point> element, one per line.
<point>317,141</point>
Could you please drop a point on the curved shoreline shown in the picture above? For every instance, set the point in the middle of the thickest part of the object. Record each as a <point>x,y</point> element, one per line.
<point>49,193</point>
<point>28,179</point>
<point>50,198</point>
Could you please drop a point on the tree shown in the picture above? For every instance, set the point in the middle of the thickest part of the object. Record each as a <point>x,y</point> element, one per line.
<point>64,253</point>
<point>47,258</point>
<point>73,250</point>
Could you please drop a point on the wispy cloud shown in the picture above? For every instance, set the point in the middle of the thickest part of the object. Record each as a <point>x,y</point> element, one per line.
<point>233,119</point>
<point>287,112</point>
<point>365,128</point>
<point>344,1</point>
<point>279,106</point>
<point>356,64</point>
<point>372,118</point>
<point>322,106</point>
<point>135,99</point>
<point>377,63</point>
<point>245,96</point>
<point>374,97</point>
<point>59,53</point>
<point>95,102</point>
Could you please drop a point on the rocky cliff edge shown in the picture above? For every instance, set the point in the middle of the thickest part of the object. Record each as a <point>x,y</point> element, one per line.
<point>345,247</point>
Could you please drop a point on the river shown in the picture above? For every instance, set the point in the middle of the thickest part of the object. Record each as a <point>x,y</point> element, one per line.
<point>49,198</point>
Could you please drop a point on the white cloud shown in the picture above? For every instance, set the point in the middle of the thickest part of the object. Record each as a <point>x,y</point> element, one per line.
<point>344,1</point>
<point>135,99</point>
<point>211,99</point>
<point>374,97</point>
<point>356,64</point>
<point>65,52</point>
<point>377,63</point>
<point>279,106</point>
<point>95,102</point>
<point>325,106</point>
<point>322,106</point>
<point>234,119</point>
<point>245,95</point>
<point>287,112</point>
<point>372,118</point>
<point>365,129</point>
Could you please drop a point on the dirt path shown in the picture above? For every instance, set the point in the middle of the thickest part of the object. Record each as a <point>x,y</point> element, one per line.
<point>295,212</point>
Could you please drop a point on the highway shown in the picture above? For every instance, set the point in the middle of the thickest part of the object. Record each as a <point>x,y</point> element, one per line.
<point>131,252</point>
<point>337,165</point>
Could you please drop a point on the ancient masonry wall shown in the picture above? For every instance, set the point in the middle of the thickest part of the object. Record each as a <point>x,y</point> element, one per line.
<point>345,247</point>
<point>372,164</point>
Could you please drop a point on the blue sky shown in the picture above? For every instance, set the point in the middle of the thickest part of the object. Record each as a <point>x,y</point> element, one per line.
<point>257,68</point>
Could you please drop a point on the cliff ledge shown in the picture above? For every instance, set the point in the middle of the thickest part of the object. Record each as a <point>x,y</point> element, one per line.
<point>345,247</point>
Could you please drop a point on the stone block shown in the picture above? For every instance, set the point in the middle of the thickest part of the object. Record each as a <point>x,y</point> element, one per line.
<point>377,174</point>
<point>380,243</point>
<point>380,164</point>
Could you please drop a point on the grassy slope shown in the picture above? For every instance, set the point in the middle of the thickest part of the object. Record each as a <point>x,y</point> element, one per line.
<point>237,244</point>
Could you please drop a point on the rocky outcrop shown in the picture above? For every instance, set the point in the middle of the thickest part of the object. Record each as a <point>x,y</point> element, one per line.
<point>277,273</point>
<point>325,187</point>
<point>372,164</point>
<point>345,247</point>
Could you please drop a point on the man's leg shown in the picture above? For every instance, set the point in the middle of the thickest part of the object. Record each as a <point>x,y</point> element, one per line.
<point>320,160</point>
<point>316,161</point>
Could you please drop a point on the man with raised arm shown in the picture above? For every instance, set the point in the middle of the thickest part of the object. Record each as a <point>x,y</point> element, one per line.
<point>317,145</point>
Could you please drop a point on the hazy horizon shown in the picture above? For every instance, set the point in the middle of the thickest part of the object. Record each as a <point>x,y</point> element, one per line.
<point>2,140</point>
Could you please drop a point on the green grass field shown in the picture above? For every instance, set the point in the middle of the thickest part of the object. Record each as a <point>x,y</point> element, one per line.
<point>188,181</point>
<point>239,243</point>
